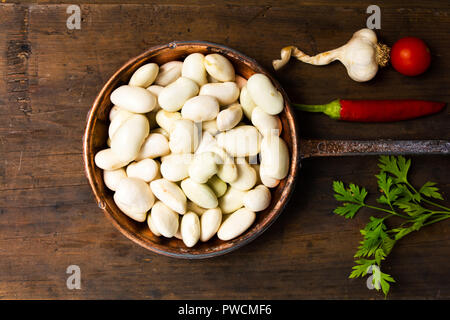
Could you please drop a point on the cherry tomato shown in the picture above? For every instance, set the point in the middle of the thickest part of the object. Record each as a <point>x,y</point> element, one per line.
<point>410,56</point>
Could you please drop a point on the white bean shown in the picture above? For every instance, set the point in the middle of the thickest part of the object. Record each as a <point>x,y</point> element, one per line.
<point>119,118</point>
<point>228,118</point>
<point>184,137</point>
<point>217,185</point>
<point>257,199</point>
<point>155,90</point>
<point>267,180</point>
<point>163,132</point>
<point>134,198</point>
<point>241,141</point>
<point>200,108</point>
<point>154,146</point>
<point>106,159</point>
<point>247,103</point>
<point>178,233</point>
<point>199,193</point>
<point>144,76</point>
<point>274,157</point>
<point>232,200</point>
<point>168,73</point>
<point>207,143</point>
<point>225,216</point>
<point>203,167</point>
<point>211,79</point>
<point>266,123</point>
<point>236,224</point>
<point>191,206</point>
<point>166,119</point>
<point>194,69</point>
<point>113,177</point>
<point>146,169</point>
<point>210,222</point>
<point>219,67</point>
<point>246,178</point>
<point>133,99</point>
<point>170,194</point>
<point>190,229</point>
<point>113,112</point>
<point>225,92</point>
<point>164,219</point>
<point>174,167</point>
<point>128,139</point>
<point>172,97</point>
<point>210,127</point>
<point>264,94</point>
<point>227,170</point>
<point>256,167</point>
<point>151,226</point>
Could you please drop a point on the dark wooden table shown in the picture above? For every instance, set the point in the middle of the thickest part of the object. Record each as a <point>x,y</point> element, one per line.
<point>48,217</point>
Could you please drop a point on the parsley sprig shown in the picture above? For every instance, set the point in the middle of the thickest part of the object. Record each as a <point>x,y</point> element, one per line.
<point>401,199</point>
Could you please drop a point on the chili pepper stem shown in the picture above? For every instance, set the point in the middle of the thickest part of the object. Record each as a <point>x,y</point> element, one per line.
<point>332,109</point>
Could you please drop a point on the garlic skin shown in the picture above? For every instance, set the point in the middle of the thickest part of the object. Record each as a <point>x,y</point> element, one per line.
<point>361,56</point>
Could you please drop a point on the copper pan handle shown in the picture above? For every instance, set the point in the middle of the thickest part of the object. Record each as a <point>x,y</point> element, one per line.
<point>338,148</point>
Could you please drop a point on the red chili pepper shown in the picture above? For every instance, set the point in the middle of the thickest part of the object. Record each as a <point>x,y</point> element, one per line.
<point>375,110</point>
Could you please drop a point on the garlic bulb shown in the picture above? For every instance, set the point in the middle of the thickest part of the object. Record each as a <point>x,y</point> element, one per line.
<point>361,56</point>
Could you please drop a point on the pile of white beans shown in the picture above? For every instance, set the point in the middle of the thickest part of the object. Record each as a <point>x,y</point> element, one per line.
<point>194,148</point>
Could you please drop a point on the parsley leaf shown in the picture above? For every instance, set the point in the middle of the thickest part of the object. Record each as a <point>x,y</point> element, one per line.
<point>390,194</point>
<point>348,210</point>
<point>379,255</point>
<point>353,194</point>
<point>411,208</point>
<point>397,166</point>
<point>375,237</point>
<point>429,190</point>
<point>381,278</point>
<point>353,199</point>
<point>388,244</point>
<point>403,201</point>
<point>361,268</point>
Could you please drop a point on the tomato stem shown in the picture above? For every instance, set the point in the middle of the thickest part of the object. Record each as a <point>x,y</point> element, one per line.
<point>382,54</point>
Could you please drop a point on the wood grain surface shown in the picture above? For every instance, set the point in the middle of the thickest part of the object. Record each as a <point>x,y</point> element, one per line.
<point>49,77</point>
